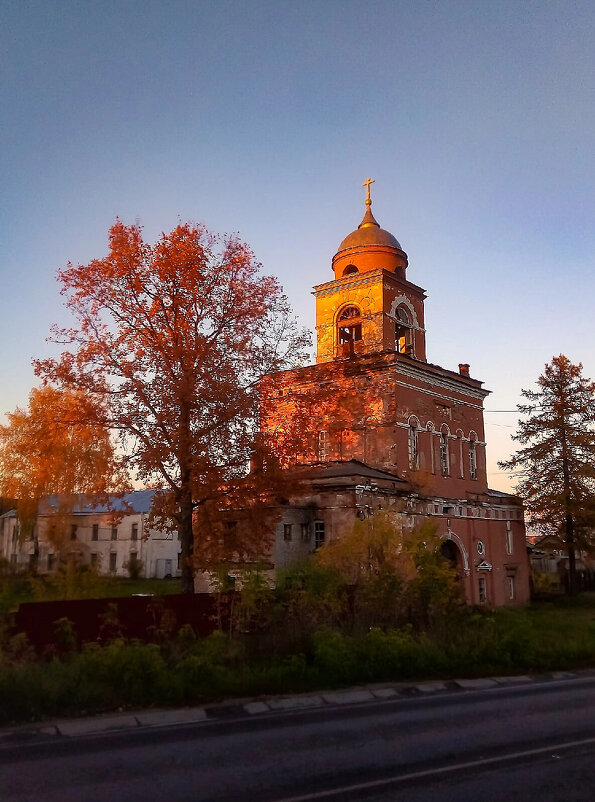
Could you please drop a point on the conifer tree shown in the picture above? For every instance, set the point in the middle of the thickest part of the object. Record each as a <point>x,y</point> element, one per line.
<point>556,463</point>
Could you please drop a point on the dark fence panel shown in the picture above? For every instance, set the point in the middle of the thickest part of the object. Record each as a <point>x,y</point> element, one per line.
<point>585,580</point>
<point>147,618</point>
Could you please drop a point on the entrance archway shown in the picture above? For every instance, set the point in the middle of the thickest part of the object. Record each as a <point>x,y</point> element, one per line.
<point>450,552</point>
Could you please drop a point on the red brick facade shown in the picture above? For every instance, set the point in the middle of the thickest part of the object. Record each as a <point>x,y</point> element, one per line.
<point>414,429</point>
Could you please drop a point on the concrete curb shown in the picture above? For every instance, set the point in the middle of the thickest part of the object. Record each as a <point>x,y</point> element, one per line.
<point>151,718</point>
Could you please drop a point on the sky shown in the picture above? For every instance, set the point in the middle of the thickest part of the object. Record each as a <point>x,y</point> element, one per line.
<point>476,119</point>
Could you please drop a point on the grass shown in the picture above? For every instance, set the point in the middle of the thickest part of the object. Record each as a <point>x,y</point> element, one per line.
<point>18,589</point>
<point>547,636</point>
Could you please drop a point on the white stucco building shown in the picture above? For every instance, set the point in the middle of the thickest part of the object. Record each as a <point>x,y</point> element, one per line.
<point>108,536</point>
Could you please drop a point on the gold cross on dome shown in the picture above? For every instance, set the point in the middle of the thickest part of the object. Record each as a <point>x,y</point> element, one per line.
<point>366,184</point>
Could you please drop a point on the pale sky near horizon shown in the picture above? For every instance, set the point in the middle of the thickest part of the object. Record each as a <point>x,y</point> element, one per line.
<point>476,119</point>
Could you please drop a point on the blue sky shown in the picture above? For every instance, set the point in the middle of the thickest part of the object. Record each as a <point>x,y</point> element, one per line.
<point>475,118</point>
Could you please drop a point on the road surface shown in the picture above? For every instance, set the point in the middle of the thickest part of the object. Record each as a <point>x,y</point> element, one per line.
<point>506,743</point>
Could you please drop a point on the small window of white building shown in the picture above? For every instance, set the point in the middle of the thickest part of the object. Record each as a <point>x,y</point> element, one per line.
<point>319,534</point>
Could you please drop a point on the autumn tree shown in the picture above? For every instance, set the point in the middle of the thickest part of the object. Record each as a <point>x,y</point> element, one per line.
<point>55,448</point>
<point>173,338</point>
<point>556,463</point>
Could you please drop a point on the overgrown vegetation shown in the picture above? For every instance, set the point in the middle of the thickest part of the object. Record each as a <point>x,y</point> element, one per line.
<point>375,608</point>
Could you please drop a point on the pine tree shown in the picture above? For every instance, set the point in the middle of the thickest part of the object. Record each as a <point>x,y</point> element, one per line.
<point>556,463</point>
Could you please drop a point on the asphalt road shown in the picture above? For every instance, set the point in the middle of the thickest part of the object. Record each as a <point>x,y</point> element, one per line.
<point>508,743</point>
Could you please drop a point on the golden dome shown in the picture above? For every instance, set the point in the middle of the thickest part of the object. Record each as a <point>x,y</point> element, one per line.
<point>369,233</point>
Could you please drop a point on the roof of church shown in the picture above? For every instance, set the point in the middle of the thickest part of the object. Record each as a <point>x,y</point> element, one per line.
<point>353,467</point>
<point>369,233</point>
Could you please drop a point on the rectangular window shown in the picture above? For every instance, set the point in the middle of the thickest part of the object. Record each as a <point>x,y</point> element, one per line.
<point>287,531</point>
<point>112,562</point>
<point>323,446</point>
<point>95,533</point>
<point>51,561</point>
<point>482,590</point>
<point>114,532</point>
<point>318,534</point>
<point>134,532</point>
<point>510,587</point>
<point>94,559</point>
<point>305,533</point>
<point>73,530</point>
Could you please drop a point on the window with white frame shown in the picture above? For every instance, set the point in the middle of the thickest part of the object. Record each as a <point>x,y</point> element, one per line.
<point>403,331</point>
<point>323,446</point>
<point>319,534</point>
<point>510,581</point>
<point>444,459</point>
<point>349,325</point>
<point>413,447</point>
<point>112,561</point>
<point>509,540</point>
<point>134,532</point>
<point>472,459</point>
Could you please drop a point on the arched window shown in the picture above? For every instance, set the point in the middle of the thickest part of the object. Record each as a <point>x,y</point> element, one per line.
<point>403,331</point>
<point>349,270</point>
<point>349,325</point>
<point>472,456</point>
<point>413,446</point>
<point>444,456</point>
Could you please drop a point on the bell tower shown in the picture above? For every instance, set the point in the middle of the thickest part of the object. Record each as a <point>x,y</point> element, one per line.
<point>370,306</point>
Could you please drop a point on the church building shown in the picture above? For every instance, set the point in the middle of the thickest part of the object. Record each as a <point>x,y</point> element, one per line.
<point>393,429</point>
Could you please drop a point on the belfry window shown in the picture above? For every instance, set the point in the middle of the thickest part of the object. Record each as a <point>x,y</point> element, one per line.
<point>350,325</point>
<point>403,331</point>
<point>350,270</point>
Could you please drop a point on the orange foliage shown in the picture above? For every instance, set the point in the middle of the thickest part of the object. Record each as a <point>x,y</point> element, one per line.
<point>56,447</point>
<point>174,339</point>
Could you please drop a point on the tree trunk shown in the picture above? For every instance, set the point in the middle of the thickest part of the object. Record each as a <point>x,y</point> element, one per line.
<point>186,535</point>
<point>569,537</point>
<point>568,519</point>
<point>185,498</point>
